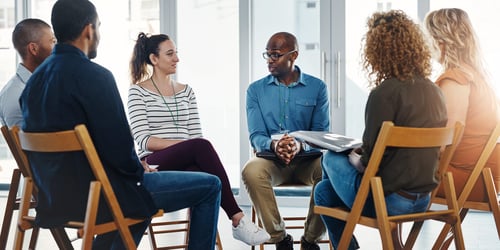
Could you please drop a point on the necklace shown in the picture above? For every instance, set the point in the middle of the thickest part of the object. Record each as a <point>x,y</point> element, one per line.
<point>176,117</point>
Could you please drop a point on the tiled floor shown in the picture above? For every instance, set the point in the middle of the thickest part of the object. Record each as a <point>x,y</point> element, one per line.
<point>479,232</point>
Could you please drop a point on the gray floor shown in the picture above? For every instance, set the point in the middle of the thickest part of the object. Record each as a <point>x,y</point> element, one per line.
<point>479,232</point>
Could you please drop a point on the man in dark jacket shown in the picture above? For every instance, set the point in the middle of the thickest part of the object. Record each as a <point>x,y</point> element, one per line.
<point>69,89</point>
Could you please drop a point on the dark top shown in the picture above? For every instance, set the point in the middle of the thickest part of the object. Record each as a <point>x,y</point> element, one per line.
<point>415,104</point>
<point>66,90</point>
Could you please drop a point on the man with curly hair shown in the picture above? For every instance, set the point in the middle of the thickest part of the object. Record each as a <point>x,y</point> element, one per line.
<point>398,63</point>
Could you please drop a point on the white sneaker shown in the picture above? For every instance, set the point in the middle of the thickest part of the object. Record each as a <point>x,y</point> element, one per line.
<point>249,233</point>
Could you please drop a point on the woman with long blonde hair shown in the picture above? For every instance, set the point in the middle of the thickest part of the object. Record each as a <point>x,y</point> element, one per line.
<point>469,97</point>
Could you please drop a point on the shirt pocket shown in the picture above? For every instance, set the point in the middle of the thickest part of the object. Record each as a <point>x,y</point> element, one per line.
<point>305,108</point>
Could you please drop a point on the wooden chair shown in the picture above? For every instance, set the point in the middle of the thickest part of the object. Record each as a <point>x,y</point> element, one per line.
<point>178,227</point>
<point>292,223</point>
<point>395,136</point>
<point>13,200</point>
<point>492,204</point>
<point>70,141</point>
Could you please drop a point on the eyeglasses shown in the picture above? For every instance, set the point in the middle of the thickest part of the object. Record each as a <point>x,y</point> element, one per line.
<point>275,56</point>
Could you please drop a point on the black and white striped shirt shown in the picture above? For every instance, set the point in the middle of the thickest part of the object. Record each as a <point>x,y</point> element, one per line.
<point>149,116</point>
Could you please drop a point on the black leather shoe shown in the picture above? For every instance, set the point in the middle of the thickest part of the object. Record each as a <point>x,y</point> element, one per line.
<point>305,245</point>
<point>285,244</point>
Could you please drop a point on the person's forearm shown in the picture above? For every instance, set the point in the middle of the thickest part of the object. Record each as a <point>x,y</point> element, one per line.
<point>155,143</point>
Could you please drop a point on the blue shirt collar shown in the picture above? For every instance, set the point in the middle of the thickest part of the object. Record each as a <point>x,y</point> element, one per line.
<point>300,80</point>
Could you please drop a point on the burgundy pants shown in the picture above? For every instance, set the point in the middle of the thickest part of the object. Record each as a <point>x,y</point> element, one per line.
<point>196,155</point>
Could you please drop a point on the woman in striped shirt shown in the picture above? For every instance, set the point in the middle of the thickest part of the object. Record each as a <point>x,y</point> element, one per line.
<point>166,126</point>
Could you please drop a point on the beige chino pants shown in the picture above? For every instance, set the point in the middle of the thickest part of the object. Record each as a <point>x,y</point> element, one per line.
<point>260,175</point>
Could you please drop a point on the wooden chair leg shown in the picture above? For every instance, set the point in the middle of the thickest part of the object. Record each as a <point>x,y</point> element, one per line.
<point>449,188</point>
<point>387,232</point>
<point>446,235</point>
<point>218,242</point>
<point>492,197</point>
<point>445,238</point>
<point>91,215</point>
<point>61,238</point>
<point>253,220</point>
<point>397,233</point>
<point>10,207</point>
<point>24,206</point>
<point>152,239</point>
<point>34,237</point>
<point>412,236</point>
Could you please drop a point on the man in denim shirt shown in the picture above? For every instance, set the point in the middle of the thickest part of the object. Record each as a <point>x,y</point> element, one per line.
<point>284,101</point>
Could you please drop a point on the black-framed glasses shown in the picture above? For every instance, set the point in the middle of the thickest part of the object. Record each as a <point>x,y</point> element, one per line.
<point>275,56</point>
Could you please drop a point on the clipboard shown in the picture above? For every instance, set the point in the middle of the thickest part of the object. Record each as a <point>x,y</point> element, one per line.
<point>313,154</point>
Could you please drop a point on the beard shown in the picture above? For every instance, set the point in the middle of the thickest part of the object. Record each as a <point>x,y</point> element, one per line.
<point>92,54</point>
<point>93,48</point>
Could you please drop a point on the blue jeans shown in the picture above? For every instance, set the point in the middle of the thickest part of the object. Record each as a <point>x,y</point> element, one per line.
<point>339,187</point>
<point>175,190</point>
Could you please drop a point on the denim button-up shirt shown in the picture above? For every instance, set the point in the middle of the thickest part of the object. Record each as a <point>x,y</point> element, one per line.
<point>273,107</point>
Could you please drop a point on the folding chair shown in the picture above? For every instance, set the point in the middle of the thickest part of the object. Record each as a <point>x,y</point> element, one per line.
<point>13,200</point>
<point>492,204</point>
<point>177,227</point>
<point>389,226</point>
<point>70,141</point>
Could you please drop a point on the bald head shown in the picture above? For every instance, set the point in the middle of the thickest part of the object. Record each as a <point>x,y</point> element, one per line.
<point>28,31</point>
<point>282,40</point>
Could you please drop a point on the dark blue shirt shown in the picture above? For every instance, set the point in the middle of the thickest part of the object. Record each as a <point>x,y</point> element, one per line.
<point>66,90</point>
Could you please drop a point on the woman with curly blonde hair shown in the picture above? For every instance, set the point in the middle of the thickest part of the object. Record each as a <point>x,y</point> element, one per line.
<point>397,61</point>
<point>469,97</point>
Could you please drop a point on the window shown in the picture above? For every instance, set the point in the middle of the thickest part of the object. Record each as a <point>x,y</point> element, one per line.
<point>207,41</point>
<point>7,69</point>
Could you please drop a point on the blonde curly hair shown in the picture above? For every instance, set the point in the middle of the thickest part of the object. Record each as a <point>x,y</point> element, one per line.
<point>395,48</point>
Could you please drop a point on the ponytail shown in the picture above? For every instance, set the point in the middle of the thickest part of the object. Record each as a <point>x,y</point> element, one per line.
<point>144,46</point>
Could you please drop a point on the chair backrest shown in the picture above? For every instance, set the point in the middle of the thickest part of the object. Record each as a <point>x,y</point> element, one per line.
<point>69,141</point>
<point>445,138</point>
<point>7,134</point>
<point>480,164</point>
<point>408,137</point>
